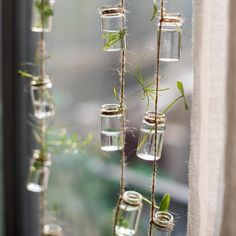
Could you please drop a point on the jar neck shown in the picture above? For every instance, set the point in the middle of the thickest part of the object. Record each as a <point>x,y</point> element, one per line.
<point>132,198</point>
<point>164,220</point>
<point>112,10</point>
<point>150,118</point>
<point>111,109</point>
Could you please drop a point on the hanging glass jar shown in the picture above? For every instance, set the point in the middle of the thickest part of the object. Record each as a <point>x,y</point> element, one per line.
<point>42,100</point>
<point>52,230</point>
<point>111,134</point>
<point>146,143</point>
<point>113,27</point>
<point>163,224</point>
<point>42,15</point>
<point>129,214</point>
<point>39,172</point>
<point>171,37</point>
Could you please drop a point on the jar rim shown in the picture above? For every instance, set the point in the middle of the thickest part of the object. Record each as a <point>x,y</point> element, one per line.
<point>150,117</point>
<point>41,82</point>
<point>111,109</point>
<point>113,9</point>
<point>172,18</point>
<point>132,198</point>
<point>47,157</point>
<point>164,220</point>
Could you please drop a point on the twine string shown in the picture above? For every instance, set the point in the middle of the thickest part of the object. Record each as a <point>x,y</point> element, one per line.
<point>157,79</point>
<point>42,123</point>
<point>123,122</point>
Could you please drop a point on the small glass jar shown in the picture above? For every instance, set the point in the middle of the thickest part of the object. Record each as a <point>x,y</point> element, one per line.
<point>39,172</point>
<point>146,143</point>
<point>42,99</point>
<point>111,123</point>
<point>171,37</point>
<point>52,230</point>
<point>113,29</point>
<point>163,224</point>
<point>42,16</point>
<point>129,214</point>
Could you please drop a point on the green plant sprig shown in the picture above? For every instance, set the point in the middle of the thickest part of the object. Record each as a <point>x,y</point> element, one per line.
<point>44,8</point>
<point>181,89</point>
<point>25,74</point>
<point>113,37</point>
<point>147,89</point>
<point>155,10</point>
<point>59,141</point>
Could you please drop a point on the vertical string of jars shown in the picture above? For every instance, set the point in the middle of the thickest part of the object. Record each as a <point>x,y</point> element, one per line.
<point>43,108</point>
<point>163,224</point>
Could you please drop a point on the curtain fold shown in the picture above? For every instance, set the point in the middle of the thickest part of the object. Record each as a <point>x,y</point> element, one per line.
<point>229,215</point>
<point>208,132</point>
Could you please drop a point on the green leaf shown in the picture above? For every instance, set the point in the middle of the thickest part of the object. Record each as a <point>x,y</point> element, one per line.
<point>116,94</point>
<point>181,89</point>
<point>25,74</point>
<point>155,10</point>
<point>165,203</point>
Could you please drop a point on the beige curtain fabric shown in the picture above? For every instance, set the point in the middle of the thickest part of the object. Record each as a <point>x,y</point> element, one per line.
<point>206,167</point>
<point>229,216</point>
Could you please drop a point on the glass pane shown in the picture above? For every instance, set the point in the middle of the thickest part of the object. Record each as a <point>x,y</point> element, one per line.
<point>83,188</point>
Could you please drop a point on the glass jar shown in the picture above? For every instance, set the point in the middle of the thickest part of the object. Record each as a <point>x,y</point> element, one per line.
<point>129,214</point>
<point>42,100</point>
<point>146,143</point>
<point>39,172</point>
<point>171,37</point>
<point>111,123</point>
<point>163,224</point>
<point>113,29</point>
<point>42,16</point>
<point>52,230</point>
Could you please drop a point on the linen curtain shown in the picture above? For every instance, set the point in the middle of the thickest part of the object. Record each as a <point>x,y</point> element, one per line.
<point>212,175</point>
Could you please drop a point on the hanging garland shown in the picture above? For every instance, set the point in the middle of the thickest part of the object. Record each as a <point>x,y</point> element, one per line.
<point>113,117</point>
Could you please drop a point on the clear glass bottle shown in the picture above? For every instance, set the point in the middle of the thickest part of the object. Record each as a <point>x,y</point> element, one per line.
<point>42,15</point>
<point>163,224</point>
<point>39,172</point>
<point>129,214</point>
<point>42,99</point>
<point>52,230</point>
<point>171,37</point>
<point>111,123</point>
<point>113,31</point>
<point>146,143</point>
